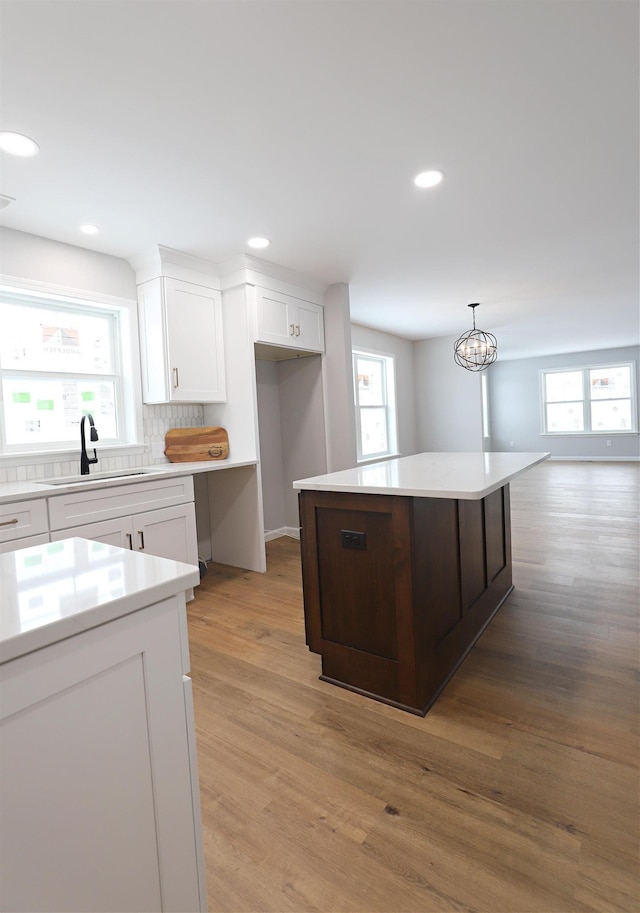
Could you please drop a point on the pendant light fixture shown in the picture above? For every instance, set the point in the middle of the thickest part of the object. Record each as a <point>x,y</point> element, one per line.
<point>475,350</point>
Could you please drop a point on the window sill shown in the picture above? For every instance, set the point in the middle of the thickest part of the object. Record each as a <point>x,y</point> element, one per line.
<point>588,433</point>
<point>379,459</point>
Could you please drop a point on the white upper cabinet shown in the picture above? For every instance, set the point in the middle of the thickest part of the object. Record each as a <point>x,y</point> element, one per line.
<point>283,320</point>
<point>181,342</point>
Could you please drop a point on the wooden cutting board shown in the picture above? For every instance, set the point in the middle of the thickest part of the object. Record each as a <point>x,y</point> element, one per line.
<point>188,445</point>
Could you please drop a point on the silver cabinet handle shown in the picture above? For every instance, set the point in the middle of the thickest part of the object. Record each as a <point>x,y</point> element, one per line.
<point>292,329</point>
<point>176,382</point>
<point>298,330</point>
<point>130,538</point>
<point>141,546</point>
<point>9,522</point>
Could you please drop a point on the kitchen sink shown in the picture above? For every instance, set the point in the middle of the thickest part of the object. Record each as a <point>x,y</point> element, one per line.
<point>94,477</point>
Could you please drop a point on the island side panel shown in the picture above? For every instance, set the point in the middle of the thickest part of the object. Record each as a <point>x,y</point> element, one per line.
<point>462,576</point>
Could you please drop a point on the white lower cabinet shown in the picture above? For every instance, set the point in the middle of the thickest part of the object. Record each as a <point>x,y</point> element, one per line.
<point>99,788</point>
<point>169,532</point>
<point>157,517</point>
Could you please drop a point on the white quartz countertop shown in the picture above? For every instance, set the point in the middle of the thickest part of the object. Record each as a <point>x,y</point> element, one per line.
<point>53,591</point>
<point>466,476</point>
<point>18,491</point>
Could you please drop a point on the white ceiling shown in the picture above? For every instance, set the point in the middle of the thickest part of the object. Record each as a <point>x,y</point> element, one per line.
<point>199,124</point>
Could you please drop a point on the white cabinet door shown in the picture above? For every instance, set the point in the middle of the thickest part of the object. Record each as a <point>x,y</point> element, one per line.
<point>194,333</point>
<point>309,324</point>
<point>181,342</point>
<point>97,789</point>
<point>286,321</point>
<point>168,533</point>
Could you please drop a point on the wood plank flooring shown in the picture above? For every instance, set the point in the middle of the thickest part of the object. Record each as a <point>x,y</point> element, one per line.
<point>518,792</point>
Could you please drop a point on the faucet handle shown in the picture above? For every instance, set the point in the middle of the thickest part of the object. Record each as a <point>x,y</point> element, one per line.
<point>94,433</point>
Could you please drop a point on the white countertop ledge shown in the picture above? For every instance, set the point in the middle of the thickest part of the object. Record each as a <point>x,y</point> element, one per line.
<point>20,491</point>
<point>54,591</point>
<point>465,476</point>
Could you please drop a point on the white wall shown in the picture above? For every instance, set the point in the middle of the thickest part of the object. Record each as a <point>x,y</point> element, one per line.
<point>271,463</point>
<point>337,373</point>
<point>302,416</point>
<point>448,400</point>
<point>292,438</point>
<point>42,260</point>
<point>403,350</point>
<point>515,407</point>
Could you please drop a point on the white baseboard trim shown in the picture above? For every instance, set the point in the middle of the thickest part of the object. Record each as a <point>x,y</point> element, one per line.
<point>595,459</point>
<point>292,531</point>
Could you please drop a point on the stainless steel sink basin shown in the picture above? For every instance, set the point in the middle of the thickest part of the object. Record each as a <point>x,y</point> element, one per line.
<point>94,477</point>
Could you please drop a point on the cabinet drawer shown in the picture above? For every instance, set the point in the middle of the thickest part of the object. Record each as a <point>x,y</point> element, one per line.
<point>77,508</point>
<point>23,518</point>
<point>15,544</point>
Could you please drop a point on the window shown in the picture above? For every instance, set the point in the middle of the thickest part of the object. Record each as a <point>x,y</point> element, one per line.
<point>60,358</point>
<point>592,400</point>
<point>484,393</point>
<point>374,382</point>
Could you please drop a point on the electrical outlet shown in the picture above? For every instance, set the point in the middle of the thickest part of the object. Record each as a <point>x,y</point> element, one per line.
<point>157,449</point>
<point>608,443</point>
<point>512,443</point>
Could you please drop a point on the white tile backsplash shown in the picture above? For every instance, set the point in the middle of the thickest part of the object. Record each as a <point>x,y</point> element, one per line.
<point>156,421</point>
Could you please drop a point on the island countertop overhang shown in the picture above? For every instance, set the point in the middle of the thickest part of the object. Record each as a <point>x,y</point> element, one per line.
<point>464,476</point>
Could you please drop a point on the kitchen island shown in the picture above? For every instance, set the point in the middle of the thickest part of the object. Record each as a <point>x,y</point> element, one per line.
<point>99,797</point>
<point>404,564</point>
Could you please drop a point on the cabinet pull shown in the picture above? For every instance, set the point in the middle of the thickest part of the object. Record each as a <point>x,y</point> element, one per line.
<point>130,538</point>
<point>141,546</point>
<point>298,330</point>
<point>176,382</point>
<point>292,329</point>
<point>9,522</point>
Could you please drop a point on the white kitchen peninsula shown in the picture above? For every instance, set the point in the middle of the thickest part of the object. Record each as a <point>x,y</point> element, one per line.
<point>404,563</point>
<point>99,797</point>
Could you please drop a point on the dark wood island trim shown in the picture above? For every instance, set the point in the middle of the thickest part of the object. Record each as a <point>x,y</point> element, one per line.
<point>397,589</point>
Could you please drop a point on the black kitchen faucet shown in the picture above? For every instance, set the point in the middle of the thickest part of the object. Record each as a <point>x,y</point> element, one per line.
<point>85,460</point>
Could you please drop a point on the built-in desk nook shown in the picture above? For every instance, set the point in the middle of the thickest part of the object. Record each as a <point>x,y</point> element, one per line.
<point>404,563</point>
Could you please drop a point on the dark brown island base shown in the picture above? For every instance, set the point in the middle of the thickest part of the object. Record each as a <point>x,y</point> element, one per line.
<point>404,563</point>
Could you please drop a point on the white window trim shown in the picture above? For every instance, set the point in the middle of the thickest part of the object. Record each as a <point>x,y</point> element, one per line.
<point>130,368</point>
<point>391,406</point>
<point>588,432</point>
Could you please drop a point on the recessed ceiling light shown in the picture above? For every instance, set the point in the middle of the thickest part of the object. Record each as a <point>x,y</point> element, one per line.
<point>258,242</point>
<point>428,178</point>
<point>17,144</point>
<point>89,229</point>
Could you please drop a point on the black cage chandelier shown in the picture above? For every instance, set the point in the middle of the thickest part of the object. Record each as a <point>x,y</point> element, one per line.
<point>475,350</point>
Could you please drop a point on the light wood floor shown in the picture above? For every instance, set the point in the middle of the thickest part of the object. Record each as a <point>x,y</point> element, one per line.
<point>517,792</point>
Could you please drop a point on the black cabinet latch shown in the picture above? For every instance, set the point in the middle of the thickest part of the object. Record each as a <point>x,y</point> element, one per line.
<point>349,538</point>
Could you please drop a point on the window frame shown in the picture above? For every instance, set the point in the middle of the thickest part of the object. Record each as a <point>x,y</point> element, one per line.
<point>387,360</point>
<point>125,370</point>
<point>587,399</point>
